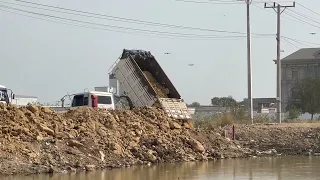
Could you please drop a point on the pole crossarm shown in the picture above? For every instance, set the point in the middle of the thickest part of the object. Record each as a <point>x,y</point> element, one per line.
<point>277,8</point>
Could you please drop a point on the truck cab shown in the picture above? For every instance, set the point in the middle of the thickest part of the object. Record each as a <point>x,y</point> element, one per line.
<point>4,97</point>
<point>95,99</point>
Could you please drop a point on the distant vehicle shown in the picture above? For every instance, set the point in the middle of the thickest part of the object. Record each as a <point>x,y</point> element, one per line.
<point>100,99</point>
<point>4,95</point>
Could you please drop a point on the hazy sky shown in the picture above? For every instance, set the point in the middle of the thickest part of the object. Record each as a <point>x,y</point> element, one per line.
<point>49,60</point>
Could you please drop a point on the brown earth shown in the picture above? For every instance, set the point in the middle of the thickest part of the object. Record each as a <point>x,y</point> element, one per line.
<point>158,88</point>
<point>38,140</point>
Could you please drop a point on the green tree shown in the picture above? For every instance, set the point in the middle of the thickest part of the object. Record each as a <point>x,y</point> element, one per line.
<point>294,112</point>
<point>195,104</point>
<point>309,96</point>
<point>224,101</point>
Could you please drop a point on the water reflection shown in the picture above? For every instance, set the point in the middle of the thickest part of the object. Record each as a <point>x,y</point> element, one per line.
<point>281,168</point>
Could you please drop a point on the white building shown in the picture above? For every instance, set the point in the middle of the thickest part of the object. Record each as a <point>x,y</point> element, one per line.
<point>23,100</point>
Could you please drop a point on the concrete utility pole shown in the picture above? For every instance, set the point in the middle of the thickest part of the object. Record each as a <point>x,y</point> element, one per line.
<point>248,2</point>
<point>249,71</point>
<point>277,8</point>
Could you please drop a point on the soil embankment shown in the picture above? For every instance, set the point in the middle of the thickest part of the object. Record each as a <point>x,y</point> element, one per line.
<point>38,140</point>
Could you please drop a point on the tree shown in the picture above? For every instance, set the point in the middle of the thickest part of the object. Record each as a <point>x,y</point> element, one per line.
<point>224,101</point>
<point>309,96</point>
<point>195,104</point>
<point>294,112</point>
<point>235,108</point>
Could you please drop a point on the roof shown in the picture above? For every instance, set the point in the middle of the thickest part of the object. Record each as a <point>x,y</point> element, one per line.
<point>25,96</point>
<point>94,92</point>
<point>2,87</point>
<point>304,54</point>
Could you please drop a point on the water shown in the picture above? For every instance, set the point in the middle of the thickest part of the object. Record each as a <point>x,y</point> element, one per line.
<point>280,168</point>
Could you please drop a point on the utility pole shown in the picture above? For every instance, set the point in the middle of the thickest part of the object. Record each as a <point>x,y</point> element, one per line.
<point>248,2</point>
<point>249,71</point>
<point>277,8</point>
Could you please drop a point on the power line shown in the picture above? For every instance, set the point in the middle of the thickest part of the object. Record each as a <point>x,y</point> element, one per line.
<point>305,16</point>
<point>308,9</point>
<point>290,43</point>
<point>301,20</point>
<point>110,26</point>
<point>301,41</point>
<point>136,33</point>
<point>296,19</point>
<point>209,2</point>
<point>129,20</point>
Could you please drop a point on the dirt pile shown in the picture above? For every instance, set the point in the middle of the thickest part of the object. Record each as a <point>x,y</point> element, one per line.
<point>159,89</point>
<point>36,139</point>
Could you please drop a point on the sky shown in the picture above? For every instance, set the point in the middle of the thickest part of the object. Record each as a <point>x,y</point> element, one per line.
<point>49,59</point>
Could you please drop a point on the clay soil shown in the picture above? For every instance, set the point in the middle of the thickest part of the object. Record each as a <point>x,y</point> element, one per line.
<point>37,140</point>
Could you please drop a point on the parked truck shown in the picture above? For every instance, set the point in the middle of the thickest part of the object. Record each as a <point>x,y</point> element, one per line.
<point>145,83</point>
<point>4,95</point>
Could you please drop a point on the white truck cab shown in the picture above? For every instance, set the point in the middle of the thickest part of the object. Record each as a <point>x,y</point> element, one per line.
<point>4,97</point>
<point>95,99</point>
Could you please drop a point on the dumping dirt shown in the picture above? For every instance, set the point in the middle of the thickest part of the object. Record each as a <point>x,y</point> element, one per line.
<point>37,140</point>
<point>159,89</point>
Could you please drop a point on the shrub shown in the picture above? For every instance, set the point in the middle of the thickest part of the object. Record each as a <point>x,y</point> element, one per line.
<point>261,118</point>
<point>224,120</point>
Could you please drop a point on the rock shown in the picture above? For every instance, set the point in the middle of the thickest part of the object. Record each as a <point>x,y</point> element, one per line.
<point>187,125</point>
<point>102,133</point>
<point>46,129</point>
<point>39,137</point>
<point>102,156</point>
<point>151,157</point>
<point>116,148</point>
<point>32,108</point>
<point>71,169</point>
<point>46,110</point>
<point>174,125</point>
<point>196,145</point>
<point>32,155</point>
<point>75,143</point>
<point>90,167</point>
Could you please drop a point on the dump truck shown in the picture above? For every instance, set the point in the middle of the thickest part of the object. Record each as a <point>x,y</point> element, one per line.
<point>145,83</point>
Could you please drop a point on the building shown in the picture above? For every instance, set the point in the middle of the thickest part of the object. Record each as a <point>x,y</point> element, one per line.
<point>296,66</point>
<point>23,100</point>
<point>260,105</point>
<point>206,110</point>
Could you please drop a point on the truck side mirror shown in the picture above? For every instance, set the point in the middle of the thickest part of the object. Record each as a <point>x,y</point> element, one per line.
<point>12,95</point>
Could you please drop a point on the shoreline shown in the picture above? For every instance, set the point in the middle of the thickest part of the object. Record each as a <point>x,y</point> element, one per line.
<point>37,140</point>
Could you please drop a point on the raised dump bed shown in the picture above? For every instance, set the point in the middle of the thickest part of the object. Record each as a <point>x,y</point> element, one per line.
<point>146,84</point>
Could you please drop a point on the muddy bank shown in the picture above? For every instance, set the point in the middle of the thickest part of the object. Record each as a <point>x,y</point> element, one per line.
<point>281,139</point>
<point>38,140</point>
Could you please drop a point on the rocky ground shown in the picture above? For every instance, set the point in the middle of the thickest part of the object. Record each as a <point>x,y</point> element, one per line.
<point>38,140</point>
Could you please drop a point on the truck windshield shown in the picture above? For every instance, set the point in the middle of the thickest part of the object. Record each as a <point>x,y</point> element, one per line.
<point>104,100</point>
<point>3,95</point>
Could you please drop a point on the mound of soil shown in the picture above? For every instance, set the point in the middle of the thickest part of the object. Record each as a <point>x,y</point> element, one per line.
<point>38,140</point>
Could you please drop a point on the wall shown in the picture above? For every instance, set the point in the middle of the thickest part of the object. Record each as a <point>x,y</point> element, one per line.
<point>23,101</point>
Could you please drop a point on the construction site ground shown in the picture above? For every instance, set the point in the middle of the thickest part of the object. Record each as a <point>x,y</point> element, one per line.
<point>37,140</point>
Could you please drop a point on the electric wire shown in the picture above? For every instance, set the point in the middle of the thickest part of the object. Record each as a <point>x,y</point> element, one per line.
<point>138,21</point>
<point>166,36</point>
<point>290,43</point>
